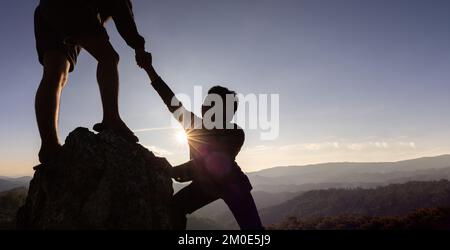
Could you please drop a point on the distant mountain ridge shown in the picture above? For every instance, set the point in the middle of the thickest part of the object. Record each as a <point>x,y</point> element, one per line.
<point>7,183</point>
<point>412,164</point>
<point>280,184</point>
<point>284,179</point>
<point>421,219</point>
<point>391,200</point>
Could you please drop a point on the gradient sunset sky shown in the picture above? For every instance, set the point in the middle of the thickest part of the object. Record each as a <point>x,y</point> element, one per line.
<point>359,80</point>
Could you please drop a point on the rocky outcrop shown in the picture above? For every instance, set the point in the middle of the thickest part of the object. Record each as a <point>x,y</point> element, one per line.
<point>99,181</point>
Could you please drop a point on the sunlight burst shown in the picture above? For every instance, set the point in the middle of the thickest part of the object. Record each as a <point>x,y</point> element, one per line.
<point>181,137</point>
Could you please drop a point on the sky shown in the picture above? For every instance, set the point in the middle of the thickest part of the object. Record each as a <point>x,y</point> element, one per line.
<point>358,80</point>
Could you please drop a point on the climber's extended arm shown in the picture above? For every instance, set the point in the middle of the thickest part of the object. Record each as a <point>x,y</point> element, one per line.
<point>184,116</point>
<point>122,14</point>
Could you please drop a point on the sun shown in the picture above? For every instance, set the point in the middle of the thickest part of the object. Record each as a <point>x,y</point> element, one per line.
<point>181,137</point>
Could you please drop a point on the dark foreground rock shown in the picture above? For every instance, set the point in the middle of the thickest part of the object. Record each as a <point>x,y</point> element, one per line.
<point>10,201</point>
<point>99,182</point>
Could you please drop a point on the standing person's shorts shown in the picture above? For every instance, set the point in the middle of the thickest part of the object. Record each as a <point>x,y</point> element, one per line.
<point>57,28</point>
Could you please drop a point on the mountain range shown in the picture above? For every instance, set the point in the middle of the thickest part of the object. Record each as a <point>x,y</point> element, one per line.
<point>288,191</point>
<point>277,185</point>
<point>7,183</point>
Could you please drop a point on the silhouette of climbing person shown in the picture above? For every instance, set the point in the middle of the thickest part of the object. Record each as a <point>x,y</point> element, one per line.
<point>62,29</point>
<point>212,169</point>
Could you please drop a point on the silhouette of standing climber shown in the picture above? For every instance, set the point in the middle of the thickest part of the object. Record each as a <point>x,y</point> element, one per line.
<point>212,169</point>
<point>62,28</point>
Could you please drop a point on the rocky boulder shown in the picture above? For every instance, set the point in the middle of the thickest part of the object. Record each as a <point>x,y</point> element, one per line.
<point>99,181</point>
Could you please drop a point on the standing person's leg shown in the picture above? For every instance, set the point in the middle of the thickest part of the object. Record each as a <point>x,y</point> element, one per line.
<point>108,80</point>
<point>186,201</point>
<point>56,69</point>
<point>57,59</point>
<point>243,207</point>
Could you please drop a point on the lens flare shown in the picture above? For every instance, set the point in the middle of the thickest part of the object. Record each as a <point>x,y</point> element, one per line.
<point>181,137</point>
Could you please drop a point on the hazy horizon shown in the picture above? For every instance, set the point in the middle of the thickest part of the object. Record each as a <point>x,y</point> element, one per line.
<point>359,80</point>
<point>305,165</point>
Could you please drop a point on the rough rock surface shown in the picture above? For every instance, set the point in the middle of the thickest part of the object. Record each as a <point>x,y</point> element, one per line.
<point>99,181</point>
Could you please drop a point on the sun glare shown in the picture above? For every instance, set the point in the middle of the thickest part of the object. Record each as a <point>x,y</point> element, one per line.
<point>181,137</point>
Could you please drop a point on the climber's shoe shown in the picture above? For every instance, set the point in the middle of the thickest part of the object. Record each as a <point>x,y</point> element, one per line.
<point>120,129</point>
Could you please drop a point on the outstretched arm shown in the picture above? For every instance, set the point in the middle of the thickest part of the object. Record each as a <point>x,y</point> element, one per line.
<point>184,116</point>
<point>122,14</point>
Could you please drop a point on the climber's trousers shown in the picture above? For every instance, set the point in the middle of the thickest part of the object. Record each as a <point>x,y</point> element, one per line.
<point>194,196</point>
